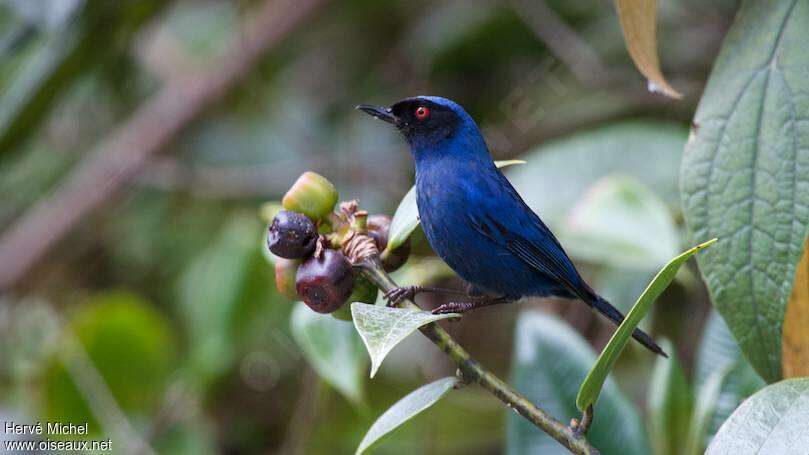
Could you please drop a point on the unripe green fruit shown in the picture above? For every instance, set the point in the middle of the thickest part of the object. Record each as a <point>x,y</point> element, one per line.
<point>364,291</point>
<point>312,194</point>
<point>325,283</point>
<point>343,313</point>
<point>285,273</point>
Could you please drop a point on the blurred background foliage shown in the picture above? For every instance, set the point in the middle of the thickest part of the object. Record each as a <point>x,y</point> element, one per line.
<point>157,320</point>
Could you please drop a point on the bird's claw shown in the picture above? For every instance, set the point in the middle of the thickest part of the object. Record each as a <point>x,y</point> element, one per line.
<point>452,307</point>
<point>396,295</point>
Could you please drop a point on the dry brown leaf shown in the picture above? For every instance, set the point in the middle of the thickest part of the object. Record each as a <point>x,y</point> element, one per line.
<point>639,22</point>
<point>795,342</point>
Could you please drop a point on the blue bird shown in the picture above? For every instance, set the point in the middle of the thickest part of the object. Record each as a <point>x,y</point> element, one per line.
<point>476,221</point>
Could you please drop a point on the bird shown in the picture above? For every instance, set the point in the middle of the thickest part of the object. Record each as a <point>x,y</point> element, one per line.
<point>475,220</point>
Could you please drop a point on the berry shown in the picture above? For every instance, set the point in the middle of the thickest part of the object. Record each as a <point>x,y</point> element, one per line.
<point>285,272</point>
<point>291,235</point>
<point>325,283</point>
<point>378,229</point>
<point>312,194</point>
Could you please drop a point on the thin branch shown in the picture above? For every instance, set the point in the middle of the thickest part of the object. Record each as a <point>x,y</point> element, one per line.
<point>473,371</point>
<point>150,129</point>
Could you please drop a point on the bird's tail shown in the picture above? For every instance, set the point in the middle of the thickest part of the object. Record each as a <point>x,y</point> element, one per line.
<point>615,316</point>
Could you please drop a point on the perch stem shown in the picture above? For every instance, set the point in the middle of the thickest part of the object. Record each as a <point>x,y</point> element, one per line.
<point>473,371</point>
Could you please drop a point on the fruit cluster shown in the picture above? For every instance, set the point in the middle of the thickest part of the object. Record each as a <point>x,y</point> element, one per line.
<point>314,246</point>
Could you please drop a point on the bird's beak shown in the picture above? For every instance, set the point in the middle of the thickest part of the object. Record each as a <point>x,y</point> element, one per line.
<point>382,113</point>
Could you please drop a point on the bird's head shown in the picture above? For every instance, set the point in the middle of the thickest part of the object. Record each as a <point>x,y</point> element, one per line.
<point>426,122</point>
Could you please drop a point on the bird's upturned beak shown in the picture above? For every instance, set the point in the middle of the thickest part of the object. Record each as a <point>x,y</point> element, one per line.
<point>382,113</point>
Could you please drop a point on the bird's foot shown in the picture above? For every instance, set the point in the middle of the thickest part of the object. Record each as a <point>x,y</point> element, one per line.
<point>396,295</point>
<point>454,307</point>
<point>460,307</point>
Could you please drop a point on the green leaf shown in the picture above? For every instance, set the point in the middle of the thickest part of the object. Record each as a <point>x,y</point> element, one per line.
<point>669,402</point>
<point>213,290</point>
<point>405,409</point>
<point>550,360</point>
<point>566,168</point>
<point>745,174</point>
<point>382,328</point>
<point>707,397</point>
<point>718,350</point>
<point>332,348</point>
<point>771,421</point>
<point>406,218</point>
<point>591,387</point>
<point>620,221</point>
<point>130,344</point>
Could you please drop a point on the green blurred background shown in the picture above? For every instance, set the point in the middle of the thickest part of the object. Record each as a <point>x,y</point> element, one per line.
<point>156,319</point>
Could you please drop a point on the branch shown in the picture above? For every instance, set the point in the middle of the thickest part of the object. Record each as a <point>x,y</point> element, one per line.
<point>473,371</point>
<point>150,129</point>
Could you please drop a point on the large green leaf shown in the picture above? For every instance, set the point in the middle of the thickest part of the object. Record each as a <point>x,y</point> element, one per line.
<point>622,222</point>
<point>590,388</point>
<point>550,360</point>
<point>566,168</point>
<point>745,174</point>
<point>405,409</point>
<point>670,403</point>
<point>773,421</point>
<point>382,327</point>
<point>406,218</point>
<point>131,346</point>
<point>332,348</point>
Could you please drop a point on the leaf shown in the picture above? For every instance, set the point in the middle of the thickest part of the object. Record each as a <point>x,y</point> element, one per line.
<point>621,222</point>
<point>639,22</point>
<point>707,397</point>
<point>406,218</point>
<point>795,347</point>
<point>771,421</point>
<point>332,348</point>
<point>405,409</point>
<point>132,347</point>
<point>670,402</point>
<point>717,351</point>
<point>591,387</point>
<point>745,175</point>
<point>211,291</point>
<point>550,360</point>
<point>567,168</point>
<point>382,328</point>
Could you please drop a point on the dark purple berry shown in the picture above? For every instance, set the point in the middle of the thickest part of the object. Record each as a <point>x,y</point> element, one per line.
<point>378,229</point>
<point>291,235</point>
<point>325,283</point>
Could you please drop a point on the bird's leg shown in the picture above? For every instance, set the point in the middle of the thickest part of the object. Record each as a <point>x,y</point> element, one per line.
<point>396,295</point>
<point>471,304</point>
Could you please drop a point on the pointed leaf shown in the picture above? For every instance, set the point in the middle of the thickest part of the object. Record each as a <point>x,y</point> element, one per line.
<point>332,348</point>
<point>405,409</point>
<point>591,387</point>
<point>406,218</point>
<point>745,175</point>
<point>382,328</point>
<point>670,402</point>
<point>550,360</point>
<point>771,421</point>
<point>639,23</point>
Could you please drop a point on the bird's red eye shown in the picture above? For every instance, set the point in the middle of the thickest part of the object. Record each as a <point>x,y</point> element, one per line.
<point>422,112</point>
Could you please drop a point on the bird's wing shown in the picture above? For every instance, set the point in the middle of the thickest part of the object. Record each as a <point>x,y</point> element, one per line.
<point>535,245</point>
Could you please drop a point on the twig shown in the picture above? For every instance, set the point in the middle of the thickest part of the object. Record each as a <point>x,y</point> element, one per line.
<point>473,371</point>
<point>151,128</point>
